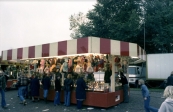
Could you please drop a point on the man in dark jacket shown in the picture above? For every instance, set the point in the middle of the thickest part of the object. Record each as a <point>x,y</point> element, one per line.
<point>2,88</point>
<point>170,80</point>
<point>57,90</point>
<point>80,91</point>
<point>68,85</point>
<point>108,74</point>
<point>124,82</point>
<point>46,85</point>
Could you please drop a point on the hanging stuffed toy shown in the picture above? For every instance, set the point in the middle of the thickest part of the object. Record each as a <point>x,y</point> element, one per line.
<point>53,64</point>
<point>42,66</point>
<point>117,63</point>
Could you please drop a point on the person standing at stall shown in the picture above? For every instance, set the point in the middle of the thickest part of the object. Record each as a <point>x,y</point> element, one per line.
<point>107,75</point>
<point>22,84</point>
<point>68,85</point>
<point>80,91</point>
<point>57,90</point>
<point>2,88</point>
<point>146,97</point>
<point>124,82</point>
<point>35,87</point>
<point>46,85</point>
<point>170,80</point>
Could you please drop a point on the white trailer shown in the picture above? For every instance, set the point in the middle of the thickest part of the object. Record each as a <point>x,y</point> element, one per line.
<point>157,69</point>
<point>159,66</point>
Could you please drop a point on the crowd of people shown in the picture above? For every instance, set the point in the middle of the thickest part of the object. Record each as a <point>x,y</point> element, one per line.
<point>30,88</point>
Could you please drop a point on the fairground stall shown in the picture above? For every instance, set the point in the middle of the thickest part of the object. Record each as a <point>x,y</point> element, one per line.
<point>11,70</point>
<point>91,56</point>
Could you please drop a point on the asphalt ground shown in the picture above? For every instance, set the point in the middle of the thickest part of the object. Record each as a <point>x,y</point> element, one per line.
<point>135,104</point>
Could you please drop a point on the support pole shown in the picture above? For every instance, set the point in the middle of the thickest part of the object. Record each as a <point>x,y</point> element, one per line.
<point>113,74</point>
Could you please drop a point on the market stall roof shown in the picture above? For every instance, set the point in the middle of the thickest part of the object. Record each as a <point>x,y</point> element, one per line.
<point>76,46</point>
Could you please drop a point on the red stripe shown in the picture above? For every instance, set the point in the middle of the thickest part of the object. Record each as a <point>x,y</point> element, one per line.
<point>105,46</point>
<point>82,45</point>
<point>45,50</point>
<point>124,48</point>
<point>31,53</point>
<point>9,54</point>
<point>19,53</point>
<point>62,48</point>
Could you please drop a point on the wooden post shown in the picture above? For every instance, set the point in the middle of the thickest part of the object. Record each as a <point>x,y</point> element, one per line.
<point>113,74</point>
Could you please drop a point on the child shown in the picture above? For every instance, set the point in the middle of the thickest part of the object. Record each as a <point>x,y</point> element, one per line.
<point>146,96</point>
<point>167,105</point>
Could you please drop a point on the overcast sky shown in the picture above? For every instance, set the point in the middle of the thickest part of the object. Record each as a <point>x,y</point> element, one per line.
<point>28,23</point>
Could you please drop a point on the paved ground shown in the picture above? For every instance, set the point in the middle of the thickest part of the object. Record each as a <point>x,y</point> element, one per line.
<point>135,104</point>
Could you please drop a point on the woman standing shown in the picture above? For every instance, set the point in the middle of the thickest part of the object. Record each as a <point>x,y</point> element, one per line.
<point>80,91</point>
<point>35,88</point>
<point>146,97</point>
<point>57,90</point>
<point>46,85</point>
<point>68,85</point>
<point>167,105</point>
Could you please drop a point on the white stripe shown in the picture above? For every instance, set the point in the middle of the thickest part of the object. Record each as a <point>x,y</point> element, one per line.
<point>115,47</point>
<point>89,44</point>
<point>14,54</point>
<point>140,56</point>
<point>38,51</point>
<point>53,49</point>
<point>25,53</point>
<point>95,45</point>
<point>72,47</point>
<point>4,57</point>
<point>133,50</point>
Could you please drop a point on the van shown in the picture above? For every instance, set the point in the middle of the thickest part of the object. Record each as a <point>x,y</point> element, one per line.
<point>135,73</point>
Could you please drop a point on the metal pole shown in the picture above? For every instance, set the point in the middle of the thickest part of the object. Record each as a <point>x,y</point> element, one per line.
<point>144,30</point>
<point>144,26</point>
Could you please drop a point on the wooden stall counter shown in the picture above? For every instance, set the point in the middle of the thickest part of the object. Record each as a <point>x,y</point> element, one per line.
<point>97,99</point>
<point>11,83</point>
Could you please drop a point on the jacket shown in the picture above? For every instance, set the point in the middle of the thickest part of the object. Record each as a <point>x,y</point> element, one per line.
<point>166,106</point>
<point>80,89</point>
<point>46,83</point>
<point>145,91</point>
<point>2,81</point>
<point>35,86</point>
<point>107,76</point>
<point>170,80</point>
<point>57,85</point>
<point>22,81</point>
<point>123,80</point>
<point>68,84</point>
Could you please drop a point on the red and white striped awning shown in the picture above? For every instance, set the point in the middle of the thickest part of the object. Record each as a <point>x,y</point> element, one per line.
<point>76,46</point>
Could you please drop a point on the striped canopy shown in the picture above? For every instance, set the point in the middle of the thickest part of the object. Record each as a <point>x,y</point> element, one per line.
<point>76,46</point>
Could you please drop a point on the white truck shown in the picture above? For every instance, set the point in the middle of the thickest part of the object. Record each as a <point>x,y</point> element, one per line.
<point>155,71</point>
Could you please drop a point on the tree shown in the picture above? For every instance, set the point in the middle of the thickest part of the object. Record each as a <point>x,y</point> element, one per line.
<point>126,20</point>
<point>111,18</point>
<point>76,21</point>
<point>159,26</point>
